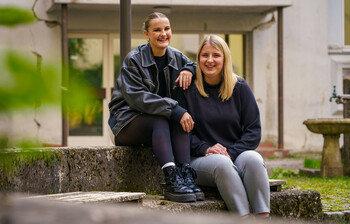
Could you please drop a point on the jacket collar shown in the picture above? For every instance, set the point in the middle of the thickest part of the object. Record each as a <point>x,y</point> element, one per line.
<point>148,59</point>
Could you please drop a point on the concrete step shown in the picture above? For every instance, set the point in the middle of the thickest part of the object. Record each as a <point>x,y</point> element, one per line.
<point>337,217</point>
<point>276,185</point>
<point>71,169</point>
<point>289,204</point>
<point>209,205</point>
<point>17,210</point>
<point>93,197</point>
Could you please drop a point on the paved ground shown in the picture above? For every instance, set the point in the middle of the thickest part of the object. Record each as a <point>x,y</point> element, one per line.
<point>284,163</point>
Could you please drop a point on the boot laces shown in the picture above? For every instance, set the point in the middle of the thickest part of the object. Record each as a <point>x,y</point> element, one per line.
<point>176,177</point>
<point>189,174</point>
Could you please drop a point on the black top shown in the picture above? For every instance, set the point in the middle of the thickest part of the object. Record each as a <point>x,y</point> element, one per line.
<point>161,63</point>
<point>234,123</point>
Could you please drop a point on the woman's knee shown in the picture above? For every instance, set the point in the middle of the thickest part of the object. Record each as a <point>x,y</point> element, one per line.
<point>250,160</point>
<point>212,164</point>
<point>159,121</point>
<point>224,165</point>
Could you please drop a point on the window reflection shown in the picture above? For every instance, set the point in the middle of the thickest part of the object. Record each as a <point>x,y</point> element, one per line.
<point>85,64</point>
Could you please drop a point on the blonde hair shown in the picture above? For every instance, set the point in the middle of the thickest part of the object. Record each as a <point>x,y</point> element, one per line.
<point>229,79</point>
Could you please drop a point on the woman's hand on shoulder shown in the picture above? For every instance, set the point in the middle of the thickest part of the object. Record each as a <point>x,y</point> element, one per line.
<point>217,149</point>
<point>186,122</point>
<point>184,79</point>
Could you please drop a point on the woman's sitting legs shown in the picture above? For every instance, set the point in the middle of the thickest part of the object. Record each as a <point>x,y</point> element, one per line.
<point>253,172</point>
<point>154,130</point>
<point>218,170</point>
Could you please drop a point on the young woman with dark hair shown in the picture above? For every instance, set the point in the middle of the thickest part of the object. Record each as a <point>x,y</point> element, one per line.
<point>143,109</point>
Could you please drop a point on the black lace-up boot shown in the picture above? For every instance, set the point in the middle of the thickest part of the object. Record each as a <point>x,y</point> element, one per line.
<point>176,190</point>
<point>189,175</point>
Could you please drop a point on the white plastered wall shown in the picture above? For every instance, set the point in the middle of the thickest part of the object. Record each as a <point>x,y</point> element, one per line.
<point>44,40</point>
<point>307,81</point>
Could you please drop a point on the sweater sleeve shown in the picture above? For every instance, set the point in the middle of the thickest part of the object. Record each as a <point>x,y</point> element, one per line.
<point>250,122</point>
<point>197,146</point>
<point>190,67</point>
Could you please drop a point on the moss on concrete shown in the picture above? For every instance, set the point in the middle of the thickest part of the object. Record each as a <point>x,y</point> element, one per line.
<point>12,159</point>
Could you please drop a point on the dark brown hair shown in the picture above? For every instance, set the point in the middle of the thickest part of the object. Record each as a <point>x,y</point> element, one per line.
<point>151,16</point>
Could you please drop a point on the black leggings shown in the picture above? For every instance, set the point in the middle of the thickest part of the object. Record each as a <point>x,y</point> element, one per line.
<point>166,137</point>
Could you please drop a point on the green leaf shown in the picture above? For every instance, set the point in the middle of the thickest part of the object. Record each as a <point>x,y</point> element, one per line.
<point>12,16</point>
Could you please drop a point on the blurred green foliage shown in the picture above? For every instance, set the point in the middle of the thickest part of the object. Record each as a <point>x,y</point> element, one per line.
<point>278,173</point>
<point>23,84</point>
<point>27,84</point>
<point>23,81</point>
<point>12,16</point>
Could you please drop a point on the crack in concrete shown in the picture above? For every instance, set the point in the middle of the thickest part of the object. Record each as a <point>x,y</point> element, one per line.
<point>49,23</point>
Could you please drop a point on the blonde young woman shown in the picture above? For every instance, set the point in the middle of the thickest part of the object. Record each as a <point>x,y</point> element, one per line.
<point>143,111</point>
<point>226,132</point>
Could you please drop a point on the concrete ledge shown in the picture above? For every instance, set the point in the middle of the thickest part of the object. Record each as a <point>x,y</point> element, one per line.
<point>310,172</point>
<point>209,205</point>
<point>93,197</point>
<point>295,204</point>
<point>337,217</point>
<point>289,204</point>
<point>276,185</point>
<point>70,169</point>
<point>14,210</point>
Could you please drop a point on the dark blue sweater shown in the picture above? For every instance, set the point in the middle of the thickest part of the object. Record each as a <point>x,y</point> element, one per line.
<point>234,123</point>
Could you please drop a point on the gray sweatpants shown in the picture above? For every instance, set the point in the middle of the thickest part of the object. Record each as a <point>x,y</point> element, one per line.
<point>240,183</point>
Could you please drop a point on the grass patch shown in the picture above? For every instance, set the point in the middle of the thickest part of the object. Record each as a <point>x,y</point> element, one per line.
<point>294,156</point>
<point>273,157</point>
<point>155,193</point>
<point>334,191</point>
<point>312,163</point>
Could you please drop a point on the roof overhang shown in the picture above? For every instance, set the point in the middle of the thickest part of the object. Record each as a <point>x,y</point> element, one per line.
<point>250,6</point>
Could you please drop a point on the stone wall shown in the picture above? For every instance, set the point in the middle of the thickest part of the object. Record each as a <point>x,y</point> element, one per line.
<point>58,170</point>
<point>296,204</point>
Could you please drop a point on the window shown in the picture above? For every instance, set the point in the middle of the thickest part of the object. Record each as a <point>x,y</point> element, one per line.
<point>85,64</point>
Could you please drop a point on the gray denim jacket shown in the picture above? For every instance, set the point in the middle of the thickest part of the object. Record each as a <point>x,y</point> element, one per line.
<point>137,86</point>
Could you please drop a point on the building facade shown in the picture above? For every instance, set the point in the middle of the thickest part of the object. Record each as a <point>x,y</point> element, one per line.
<point>316,56</point>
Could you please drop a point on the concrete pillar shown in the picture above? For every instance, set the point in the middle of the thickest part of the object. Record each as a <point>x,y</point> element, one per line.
<point>65,72</point>
<point>125,29</point>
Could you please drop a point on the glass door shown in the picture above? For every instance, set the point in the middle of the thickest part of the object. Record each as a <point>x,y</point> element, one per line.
<point>88,62</point>
<point>115,42</point>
